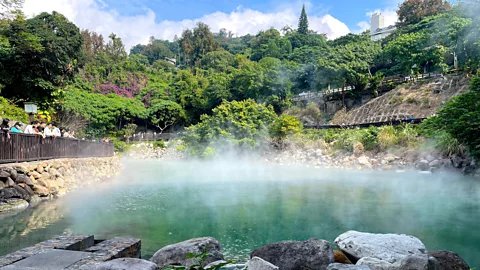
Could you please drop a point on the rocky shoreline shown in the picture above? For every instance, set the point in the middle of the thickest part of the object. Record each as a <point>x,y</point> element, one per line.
<point>25,184</point>
<point>426,162</point>
<point>355,250</point>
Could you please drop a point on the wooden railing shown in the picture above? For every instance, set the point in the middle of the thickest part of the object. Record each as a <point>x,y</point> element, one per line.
<point>24,147</point>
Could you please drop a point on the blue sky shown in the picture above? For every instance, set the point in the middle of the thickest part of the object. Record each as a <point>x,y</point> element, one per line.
<point>348,11</point>
<point>135,21</point>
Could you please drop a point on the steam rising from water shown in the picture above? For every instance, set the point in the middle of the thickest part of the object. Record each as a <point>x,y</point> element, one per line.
<point>246,204</point>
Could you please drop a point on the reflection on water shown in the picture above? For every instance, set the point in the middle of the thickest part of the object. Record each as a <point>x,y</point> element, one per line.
<point>244,206</point>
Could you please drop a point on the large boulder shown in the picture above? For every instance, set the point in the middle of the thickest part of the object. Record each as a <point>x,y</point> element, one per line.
<point>22,178</point>
<point>179,254</point>
<point>391,248</point>
<point>341,266</point>
<point>448,260</point>
<point>414,262</point>
<point>375,264</point>
<point>121,264</point>
<point>15,192</point>
<point>4,174</point>
<point>257,263</point>
<point>289,255</point>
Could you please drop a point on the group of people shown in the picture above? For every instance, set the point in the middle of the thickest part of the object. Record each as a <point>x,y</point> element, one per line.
<point>39,128</point>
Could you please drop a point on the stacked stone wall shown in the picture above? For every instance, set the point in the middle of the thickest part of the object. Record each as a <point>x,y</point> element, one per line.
<point>24,184</point>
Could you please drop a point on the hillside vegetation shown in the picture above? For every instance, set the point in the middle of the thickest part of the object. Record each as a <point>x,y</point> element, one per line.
<point>85,80</point>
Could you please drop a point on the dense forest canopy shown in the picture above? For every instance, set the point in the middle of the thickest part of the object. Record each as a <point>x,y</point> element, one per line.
<point>49,60</point>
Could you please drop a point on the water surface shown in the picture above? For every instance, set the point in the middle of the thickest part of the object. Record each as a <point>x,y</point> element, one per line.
<point>245,205</point>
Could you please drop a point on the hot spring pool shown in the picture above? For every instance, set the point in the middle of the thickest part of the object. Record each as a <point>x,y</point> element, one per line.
<point>245,205</point>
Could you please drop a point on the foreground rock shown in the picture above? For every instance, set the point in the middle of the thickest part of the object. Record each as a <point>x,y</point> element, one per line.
<point>313,254</point>
<point>391,248</point>
<point>339,266</point>
<point>257,263</point>
<point>449,260</point>
<point>178,254</point>
<point>122,264</point>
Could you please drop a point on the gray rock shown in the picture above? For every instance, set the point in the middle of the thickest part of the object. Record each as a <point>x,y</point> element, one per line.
<point>13,174</point>
<point>121,264</point>
<point>429,158</point>
<point>11,205</point>
<point>448,260</point>
<point>435,164</point>
<point>469,170</point>
<point>4,174</point>
<point>341,266</point>
<point>177,254</point>
<point>28,190</point>
<point>375,264</point>
<point>22,178</point>
<point>415,262</point>
<point>10,182</point>
<point>390,158</point>
<point>257,263</point>
<point>422,165</point>
<point>433,263</point>
<point>15,192</point>
<point>457,161</point>
<point>388,247</point>
<point>225,266</point>
<point>289,255</point>
<point>363,160</point>
<point>2,185</point>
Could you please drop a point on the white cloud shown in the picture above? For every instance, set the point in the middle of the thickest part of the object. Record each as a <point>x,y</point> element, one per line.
<point>88,14</point>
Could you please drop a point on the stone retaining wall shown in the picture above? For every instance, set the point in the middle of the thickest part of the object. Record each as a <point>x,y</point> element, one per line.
<point>23,184</point>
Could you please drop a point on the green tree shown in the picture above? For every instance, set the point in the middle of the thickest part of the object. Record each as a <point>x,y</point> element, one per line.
<point>164,114</point>
<point>232,125</point>
<point>303,22</point>
<point>43,57</point>
<point>115,48</point>
<point>413,11</point>
<point>460,118</point>
<point>284,126</point>
<point>196,44</point>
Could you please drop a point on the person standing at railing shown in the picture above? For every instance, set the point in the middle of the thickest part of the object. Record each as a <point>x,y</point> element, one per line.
<point>30,129</point>
<point>4,128</point>
<point>16,128</point>
<point>40,131</point>
<point>48,130</point>
<point>56,131</point>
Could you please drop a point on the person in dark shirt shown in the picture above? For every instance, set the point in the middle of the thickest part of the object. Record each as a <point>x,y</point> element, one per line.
<point>4,128</point>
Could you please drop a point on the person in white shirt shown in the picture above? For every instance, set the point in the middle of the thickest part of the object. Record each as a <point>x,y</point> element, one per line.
<point>56,131</point>
<point>30,129</point>
<point>48,130</point>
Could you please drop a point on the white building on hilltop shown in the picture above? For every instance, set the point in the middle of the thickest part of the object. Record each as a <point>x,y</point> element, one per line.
<point>378,30</point>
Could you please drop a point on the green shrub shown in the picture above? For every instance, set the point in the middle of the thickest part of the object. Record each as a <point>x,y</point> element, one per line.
<point>284,126</point>
<point>12,112</point>
<point>120,146</point>
<point>460,117</point>
<point>159,144</point>
<point>387,137</point>
<point>407,134</point>
<point>449,145</point>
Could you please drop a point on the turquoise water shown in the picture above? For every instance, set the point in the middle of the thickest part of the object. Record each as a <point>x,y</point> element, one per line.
<point>245,205</point>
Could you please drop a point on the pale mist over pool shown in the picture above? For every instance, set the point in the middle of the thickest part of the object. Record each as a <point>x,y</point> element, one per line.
<point>246,204</point>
